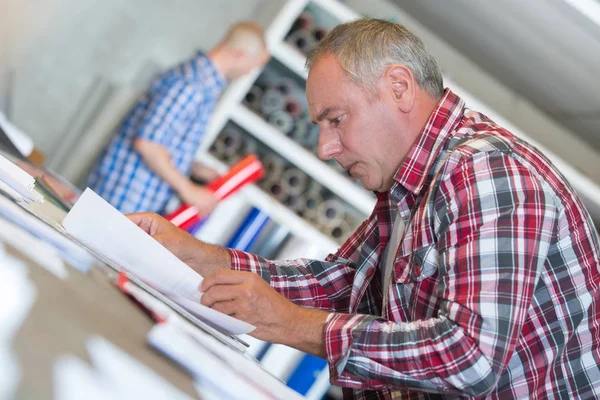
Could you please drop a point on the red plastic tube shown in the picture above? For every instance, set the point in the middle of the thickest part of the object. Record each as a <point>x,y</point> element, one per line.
<point>247,170</point>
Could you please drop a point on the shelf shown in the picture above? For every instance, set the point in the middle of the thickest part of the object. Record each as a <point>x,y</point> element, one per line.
<point>336,9</point>
<point>293,59</point>
<point>361,199</point>
<point>278,212</point>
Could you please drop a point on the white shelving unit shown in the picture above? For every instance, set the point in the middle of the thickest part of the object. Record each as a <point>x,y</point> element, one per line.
<point>232,109</point>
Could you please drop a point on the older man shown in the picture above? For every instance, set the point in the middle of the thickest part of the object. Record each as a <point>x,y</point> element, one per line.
<point>477,272</point>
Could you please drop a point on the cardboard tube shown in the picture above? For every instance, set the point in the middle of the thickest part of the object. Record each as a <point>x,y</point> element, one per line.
<point>253,98</point>
<point>274,167</point>
<point>304,22</point>
<point>272,100</point>
<point>303,41</point>
<point>282,121</point>
<point>294,181</point>
<point>330,213</point>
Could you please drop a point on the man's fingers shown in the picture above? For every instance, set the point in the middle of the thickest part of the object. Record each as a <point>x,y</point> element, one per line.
<point>146,221</point>
<point>224,277</point>
<point>218,293</point>
<point>226,307</point>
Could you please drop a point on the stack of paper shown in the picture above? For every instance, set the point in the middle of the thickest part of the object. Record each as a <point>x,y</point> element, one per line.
<point>102,228</point>
<point>18,182</point>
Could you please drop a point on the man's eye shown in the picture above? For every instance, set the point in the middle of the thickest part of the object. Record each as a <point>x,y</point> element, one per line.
<point>335,121</point>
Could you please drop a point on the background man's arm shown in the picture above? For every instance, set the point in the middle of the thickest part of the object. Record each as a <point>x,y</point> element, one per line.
<point>157,158</point>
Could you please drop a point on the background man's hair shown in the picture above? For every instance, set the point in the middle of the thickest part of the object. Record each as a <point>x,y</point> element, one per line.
<point>247,36</point>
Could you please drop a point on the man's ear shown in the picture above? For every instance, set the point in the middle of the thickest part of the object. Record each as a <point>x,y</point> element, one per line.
<point>400,85</point>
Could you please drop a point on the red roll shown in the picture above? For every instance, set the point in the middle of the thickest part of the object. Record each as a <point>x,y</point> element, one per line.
<point>248,170</point>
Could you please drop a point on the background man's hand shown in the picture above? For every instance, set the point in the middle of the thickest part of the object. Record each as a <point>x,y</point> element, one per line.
<point>203,172</point>
<point>200,197</point>
<point>202,257</point>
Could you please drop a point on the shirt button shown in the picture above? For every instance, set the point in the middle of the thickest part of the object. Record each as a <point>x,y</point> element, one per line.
<point>416,270</point>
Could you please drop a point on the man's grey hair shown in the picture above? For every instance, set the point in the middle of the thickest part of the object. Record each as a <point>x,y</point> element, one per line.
<point>364,48</point>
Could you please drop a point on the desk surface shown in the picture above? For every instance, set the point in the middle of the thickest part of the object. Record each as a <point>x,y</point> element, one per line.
<point>66,313</point>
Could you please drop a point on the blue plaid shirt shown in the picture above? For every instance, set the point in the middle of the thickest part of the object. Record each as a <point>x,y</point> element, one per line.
<point>174,114</point>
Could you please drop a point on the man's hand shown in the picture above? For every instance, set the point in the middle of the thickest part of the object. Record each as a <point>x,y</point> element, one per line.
<point>200,197</point>
<point>203,172</point>
<point>246,296</point>
<point>203,257</point>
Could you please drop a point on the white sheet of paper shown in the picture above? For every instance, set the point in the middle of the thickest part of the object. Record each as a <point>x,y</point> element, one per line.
<point>101,227</point>
<point>232,325</point>
<point>18,180</point>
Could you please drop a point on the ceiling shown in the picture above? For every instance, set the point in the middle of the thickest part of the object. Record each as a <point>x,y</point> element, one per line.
<point>546,50</point>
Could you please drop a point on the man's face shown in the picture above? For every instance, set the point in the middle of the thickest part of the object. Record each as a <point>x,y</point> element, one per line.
<point>358,131</point>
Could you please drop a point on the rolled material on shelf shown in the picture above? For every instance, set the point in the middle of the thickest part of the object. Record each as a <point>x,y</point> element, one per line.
<point>231,141</point>
<point>292,107</point>
<point>285,86</point>
<point>304,22</point>
<point>305,132</point>
<point>253,98</point>
<point>302,40</point>
<point>250,146</point>
<point>313,200</point>
<point>339,231</point>
<point>315,187</point>
<point>282,121</point>
<point>319,33</point>
<point>296,203</point>
<point>274,167</point>
<point>271,241</point>
<point>330,213</point>
<point>272,100</point>
<point>294,181</point>
<point>249,230</point>
<point>276,190</point>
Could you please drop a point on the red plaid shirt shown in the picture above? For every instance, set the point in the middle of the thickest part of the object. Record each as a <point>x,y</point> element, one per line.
<point>495,287</point>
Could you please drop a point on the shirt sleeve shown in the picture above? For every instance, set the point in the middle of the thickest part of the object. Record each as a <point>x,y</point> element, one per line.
<point>325,285</point>
<point>169,103</point>
<point>494,223</point>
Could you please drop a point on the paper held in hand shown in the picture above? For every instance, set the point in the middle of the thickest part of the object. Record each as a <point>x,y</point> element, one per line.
<point>102,228</point>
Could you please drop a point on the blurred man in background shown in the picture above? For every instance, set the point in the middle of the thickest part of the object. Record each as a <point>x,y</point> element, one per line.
<point>152,153</point>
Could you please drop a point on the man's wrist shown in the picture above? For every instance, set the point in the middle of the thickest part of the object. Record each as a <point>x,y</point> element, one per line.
<point>181,185</point>
<point>305,330</point>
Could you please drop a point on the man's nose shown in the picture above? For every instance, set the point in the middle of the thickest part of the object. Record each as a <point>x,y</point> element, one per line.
<point>329,145</point>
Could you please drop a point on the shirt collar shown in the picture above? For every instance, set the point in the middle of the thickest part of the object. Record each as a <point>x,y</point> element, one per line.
<point>442,123</point>
<point>204,64</point>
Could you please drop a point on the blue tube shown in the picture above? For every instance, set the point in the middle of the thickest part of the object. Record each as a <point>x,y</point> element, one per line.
<point>249,230</point>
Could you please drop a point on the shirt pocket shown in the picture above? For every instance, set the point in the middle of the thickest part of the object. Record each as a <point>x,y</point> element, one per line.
<point>418,265</point>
